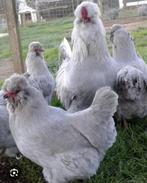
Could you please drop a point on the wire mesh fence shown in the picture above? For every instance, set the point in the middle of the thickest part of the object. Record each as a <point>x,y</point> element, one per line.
<point>111,9</point>
<point>3,23</point>
<point>54,8</point>
<point>43,10</point>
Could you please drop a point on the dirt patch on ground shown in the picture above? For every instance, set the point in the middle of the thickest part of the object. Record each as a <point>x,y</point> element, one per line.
<point>131,24</point>
<point>6,68</point>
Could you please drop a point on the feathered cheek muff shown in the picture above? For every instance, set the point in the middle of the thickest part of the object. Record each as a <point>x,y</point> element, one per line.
<point>10,94</point>
<point>85,20</point>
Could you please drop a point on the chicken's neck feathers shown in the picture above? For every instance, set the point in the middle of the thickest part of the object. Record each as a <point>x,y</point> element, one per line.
<point>124,57</point>
<point>36,65</point>
<point>90,43</point>
<point>127,55</point>
<point>125,52</point>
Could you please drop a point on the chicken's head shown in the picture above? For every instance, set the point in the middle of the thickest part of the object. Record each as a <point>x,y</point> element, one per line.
<point>14,89</point>
<point>120,35</point>
<point>123,43</point>
<point>36,48</point>
<point>88,31</point>
<point>114,29</point>
<point>87,12</point>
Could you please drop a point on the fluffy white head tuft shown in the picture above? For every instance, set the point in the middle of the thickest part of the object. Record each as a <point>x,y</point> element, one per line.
<point>14,88</point>
<point>15,83</point>
<point>19,93</point>
<point>87,9</point>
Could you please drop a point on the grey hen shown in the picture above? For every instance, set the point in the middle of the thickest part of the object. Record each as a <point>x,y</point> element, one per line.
<point>124,51</point>
<point>131,79</point>
<point>66,145</point>
<point>37,72</point>
<point>90,66</point>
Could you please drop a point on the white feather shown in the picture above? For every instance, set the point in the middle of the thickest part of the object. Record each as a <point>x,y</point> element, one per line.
<point>64,50</point>
<point>90,66</point>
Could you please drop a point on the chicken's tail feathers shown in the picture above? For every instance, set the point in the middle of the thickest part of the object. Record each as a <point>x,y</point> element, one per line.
<point>64,57</point>
<point>64,50</point>
<point>105,101</point>
<point>98,126</point>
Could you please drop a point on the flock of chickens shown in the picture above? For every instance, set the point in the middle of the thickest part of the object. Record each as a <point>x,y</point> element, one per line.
<point>91,85</point>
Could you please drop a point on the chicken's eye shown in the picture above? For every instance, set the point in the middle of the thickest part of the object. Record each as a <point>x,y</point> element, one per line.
<point>134,81</point>
<point>74,97</point>
<point>17,91</point>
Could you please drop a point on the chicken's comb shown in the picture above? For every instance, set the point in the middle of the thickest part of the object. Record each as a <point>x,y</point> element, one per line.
<point>84,12</point>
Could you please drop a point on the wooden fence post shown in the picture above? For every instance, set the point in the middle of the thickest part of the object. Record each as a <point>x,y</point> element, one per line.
<point>10,11</point>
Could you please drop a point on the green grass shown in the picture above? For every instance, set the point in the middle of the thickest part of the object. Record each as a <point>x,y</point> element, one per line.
<point>3,30</point>
<point>126,161</point>
<point>140,37</point>
<point>128,12</point>
<point>4,47</point>
<point>50,34</point>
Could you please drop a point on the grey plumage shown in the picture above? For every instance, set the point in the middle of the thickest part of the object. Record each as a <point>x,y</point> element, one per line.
<point>66,145</point>
<point>7,144</point>
<point>2,100</point>
<point>37,72</point>
<point>132,90</point>
<point>90,66</point>
<point>64,51</point>
<point>124,51</point>
<point>131,79</point>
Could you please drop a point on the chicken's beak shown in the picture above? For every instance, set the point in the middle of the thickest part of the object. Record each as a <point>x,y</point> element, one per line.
<point>38,51</point>
<point>5,96</point>
<point>84,15</point>
<point>10,94</point>
<point>41,50</point>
